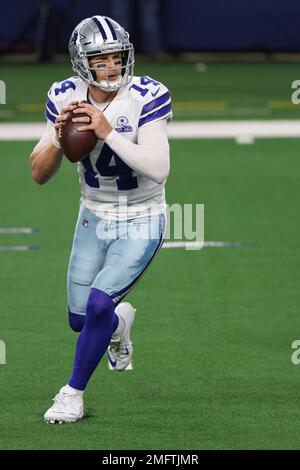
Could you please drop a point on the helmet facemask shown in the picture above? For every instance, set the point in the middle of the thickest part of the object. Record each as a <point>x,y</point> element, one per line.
<point>125,71</point>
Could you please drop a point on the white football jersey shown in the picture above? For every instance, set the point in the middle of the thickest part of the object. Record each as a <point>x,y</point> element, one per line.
<point>106,181</point>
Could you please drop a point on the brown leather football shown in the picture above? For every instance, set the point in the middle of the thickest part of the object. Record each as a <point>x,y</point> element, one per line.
<point>76,145</point>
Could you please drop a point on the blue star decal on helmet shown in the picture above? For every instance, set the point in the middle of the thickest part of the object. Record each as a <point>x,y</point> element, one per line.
<point>75,37</point>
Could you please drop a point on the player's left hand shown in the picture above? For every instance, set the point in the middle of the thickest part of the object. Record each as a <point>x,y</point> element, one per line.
<point>96,120</point>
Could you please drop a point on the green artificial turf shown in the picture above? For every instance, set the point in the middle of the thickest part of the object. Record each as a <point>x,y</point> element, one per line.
<point>213,330</point>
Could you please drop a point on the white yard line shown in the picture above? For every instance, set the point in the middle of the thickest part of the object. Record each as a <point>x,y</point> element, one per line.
<point>194,245</point>
<point>17,230</point>
<point>17,248</point>
<point>242,131</point>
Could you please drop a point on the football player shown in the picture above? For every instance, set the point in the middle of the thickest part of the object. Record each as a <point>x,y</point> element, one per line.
<point>122,216</point>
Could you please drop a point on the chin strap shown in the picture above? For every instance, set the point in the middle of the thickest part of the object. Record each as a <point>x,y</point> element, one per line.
<point>109,86</point>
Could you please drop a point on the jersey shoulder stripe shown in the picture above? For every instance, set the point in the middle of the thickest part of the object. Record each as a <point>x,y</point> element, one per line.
<point>50,116</point>
<point>51,107</point>
<point>164,112</point>
<point>155,103</point>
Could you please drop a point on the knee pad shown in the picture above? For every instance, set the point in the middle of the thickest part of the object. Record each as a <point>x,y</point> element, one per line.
<point>76,321</point>
<point>99,304</point>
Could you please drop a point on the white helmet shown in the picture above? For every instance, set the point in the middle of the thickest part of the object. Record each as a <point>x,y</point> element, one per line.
<point>101,35</point>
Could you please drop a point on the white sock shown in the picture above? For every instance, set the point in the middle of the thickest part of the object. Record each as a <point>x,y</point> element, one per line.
<point>72,390</point>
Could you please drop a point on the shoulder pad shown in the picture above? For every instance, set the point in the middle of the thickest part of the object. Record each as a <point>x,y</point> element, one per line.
<point>59,94</point>
<point>154,97</point>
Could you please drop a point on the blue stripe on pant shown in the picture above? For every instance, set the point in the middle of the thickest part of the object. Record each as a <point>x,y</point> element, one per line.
<point>110,256</point>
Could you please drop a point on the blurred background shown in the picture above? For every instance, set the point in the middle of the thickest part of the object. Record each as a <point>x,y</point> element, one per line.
<point>237,59</point>
<point>227,381</point>
<point>155,25</point>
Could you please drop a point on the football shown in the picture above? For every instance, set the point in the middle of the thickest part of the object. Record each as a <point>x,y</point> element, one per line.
<point>76,145</point>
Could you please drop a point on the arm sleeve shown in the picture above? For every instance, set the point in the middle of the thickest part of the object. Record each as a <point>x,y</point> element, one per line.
<point>157,109</point>
<point>150,156</point>
<point>48,137</point>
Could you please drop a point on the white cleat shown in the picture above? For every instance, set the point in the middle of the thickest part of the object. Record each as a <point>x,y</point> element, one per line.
<point>129,367</point>
<point>67,408</point>
<point>120,348</point>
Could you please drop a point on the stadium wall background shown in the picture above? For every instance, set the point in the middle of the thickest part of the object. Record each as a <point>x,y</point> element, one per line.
<point>192,25</point>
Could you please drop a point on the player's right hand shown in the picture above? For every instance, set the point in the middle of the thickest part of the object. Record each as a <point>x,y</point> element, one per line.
<point>64,115</point>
